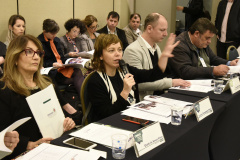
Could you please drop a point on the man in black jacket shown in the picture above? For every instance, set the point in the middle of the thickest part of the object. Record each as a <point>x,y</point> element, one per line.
<point>228,24</point>
<point>193,58</point>
<point>111,28</point>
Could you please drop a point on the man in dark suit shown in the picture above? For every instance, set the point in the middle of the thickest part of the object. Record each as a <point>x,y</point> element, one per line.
<point>111,28</point>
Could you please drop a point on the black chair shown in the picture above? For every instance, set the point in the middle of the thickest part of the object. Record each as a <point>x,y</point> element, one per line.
<point>85,101</point>
<point>232,53</point>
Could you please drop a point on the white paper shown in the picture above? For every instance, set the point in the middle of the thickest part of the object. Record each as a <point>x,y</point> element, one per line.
<point>234,69</point>
<point>146,115</point>
<point>101,134</point>
<point>205,82</point>
<point>51,152</point>
<point>45,70</point>
<point>4,151</point>
<point>202,108</point>
<point>47,112</point>
<point>100,153</point>
<point>85,54</point>
<point>195,88</point>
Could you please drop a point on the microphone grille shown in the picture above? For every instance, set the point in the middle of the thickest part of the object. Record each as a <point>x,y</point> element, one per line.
<point>121,62</point>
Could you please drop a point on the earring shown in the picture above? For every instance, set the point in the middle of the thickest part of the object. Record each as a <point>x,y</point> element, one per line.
<point>16,64</point>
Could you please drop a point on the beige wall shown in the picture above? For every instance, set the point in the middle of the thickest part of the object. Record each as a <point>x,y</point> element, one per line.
<point>7,8</point>
<point>144,7</point>
<point>35,11</point>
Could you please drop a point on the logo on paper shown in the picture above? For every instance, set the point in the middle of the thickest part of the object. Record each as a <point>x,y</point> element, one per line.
<point>197,107</point>
<point>53,113</point>
<point>138,137</point>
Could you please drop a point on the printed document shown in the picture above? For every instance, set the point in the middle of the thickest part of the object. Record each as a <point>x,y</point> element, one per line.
<point>102,134</point>
<point>47,112</point>
<point>47,151</point>
<point>4,151</point>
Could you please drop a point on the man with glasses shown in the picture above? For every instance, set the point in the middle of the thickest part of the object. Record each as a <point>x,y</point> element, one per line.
<point>132,30</point>
<point>193,58</point>
<point>111,28</point>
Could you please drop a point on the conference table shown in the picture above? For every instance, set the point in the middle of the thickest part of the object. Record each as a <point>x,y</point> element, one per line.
<point>188,141</point>
<point>224,142</point>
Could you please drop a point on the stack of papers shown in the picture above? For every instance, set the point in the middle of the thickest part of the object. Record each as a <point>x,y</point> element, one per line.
<point>156,108</point>
<point>102,134</point>
<point>197,86</point>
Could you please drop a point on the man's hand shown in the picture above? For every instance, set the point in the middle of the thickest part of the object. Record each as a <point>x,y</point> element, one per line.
<point>180,8</point>
<point>234,62</point>
<point>220,70</point>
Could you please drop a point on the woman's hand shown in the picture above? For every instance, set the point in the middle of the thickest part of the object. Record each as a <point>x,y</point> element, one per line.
<point>57,65</point>
<point>32,145</point>
<point>128,82</point>
<point>11,139</point>
<point>68,124</point>
<point>73,54</point>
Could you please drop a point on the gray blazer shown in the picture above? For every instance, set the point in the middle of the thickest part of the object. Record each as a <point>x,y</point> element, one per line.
<point>68,47</point>
<point>87,43</point>
<point>131,36</point>
<point>137,55</point>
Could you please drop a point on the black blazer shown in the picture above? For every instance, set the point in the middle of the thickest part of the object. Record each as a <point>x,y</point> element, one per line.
<point>49,57</point>
<point>120,33</point>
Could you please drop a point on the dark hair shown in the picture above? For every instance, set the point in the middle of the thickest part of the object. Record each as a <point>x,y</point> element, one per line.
<point>135,16</point>
<point>113,14</point>
<point>14,18</point>
<point>49,25</point>
<point>151,19</point>
<point>75,22</point>
<point>89,19</point>
<point>202,25</point>
<point>102,42</point>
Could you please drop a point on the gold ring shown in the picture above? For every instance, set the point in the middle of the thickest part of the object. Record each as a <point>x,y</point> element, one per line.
<point>10,145</point>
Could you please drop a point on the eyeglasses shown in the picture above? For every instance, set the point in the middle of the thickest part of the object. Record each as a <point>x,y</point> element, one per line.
<point>31,53</point>
<point>94,27</point>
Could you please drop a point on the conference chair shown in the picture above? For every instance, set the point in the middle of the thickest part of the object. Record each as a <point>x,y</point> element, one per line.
<point>232,53</point>
<point>85,100</point>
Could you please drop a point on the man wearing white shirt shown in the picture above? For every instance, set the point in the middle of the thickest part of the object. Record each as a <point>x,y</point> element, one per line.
<point>132,30</point>
<point>228,24</point>
<point>144,53</point>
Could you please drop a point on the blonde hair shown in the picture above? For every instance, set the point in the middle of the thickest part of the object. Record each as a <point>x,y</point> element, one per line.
<point>102,42</point>
<point>89,19</point>
<point>11,76</point>
<point>12,20</point>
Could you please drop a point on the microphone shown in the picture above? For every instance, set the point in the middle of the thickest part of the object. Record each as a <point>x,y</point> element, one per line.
<point>124,68</point>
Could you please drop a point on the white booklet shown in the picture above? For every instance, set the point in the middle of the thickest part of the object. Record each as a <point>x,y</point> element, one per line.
<point>75,62</point>
<point>101,134</point>
<point>4,151</point>
<point>47,151</point>
<point>47,112</point>
<point>85,54</point>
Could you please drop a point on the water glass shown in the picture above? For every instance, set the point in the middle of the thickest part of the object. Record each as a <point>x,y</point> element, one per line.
<point>119,143</point>
<point>176,115</point>
<point>218,86</point>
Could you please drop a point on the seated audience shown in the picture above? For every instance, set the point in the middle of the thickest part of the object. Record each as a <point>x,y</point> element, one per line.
<point>111,28</point>
<point>132,30</point>
<point>54,57</point>
<point>22,78</point>
<point>91,23</point>
<point>193,58</point>
<point>71,44</point>
<point>16,27</point>
<point>144,54</point>
<point>110,90</point>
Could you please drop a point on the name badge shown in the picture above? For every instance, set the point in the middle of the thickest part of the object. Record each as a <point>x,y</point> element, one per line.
<point>148,138</point>
<point>234,85</point>
<point>202,108</point>
<point>202,62</point>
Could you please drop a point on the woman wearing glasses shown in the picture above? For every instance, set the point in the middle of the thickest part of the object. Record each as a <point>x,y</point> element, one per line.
<point>71,43</point>
<point>90,35</point>
<point>21,78</point>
